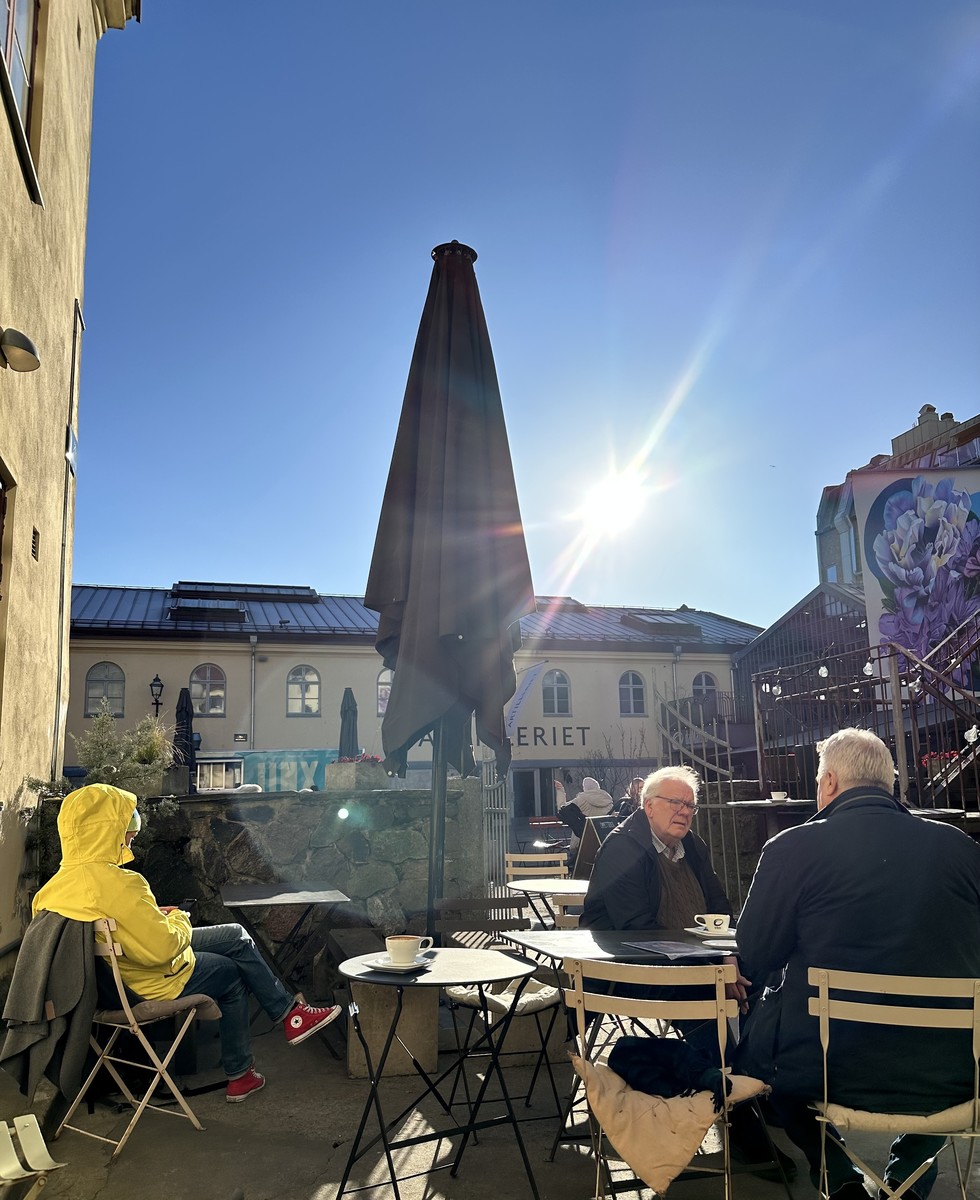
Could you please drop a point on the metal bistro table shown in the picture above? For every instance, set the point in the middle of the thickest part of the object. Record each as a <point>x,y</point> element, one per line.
<point>544,886</point>
<point>271,895</point>
<point>445,968</point>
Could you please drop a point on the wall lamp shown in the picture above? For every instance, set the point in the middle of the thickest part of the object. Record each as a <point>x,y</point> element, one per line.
<point>17,351</point>
<point>156,691</point>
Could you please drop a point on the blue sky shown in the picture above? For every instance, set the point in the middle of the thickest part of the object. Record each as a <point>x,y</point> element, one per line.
<point>733,245</point>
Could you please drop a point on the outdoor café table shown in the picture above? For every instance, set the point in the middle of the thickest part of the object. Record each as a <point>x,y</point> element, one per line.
<point>244,896</point>
<point>446,968</point>
<point>544,887</point>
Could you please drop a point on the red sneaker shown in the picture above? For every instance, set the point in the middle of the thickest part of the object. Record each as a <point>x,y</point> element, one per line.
<point>241,1088</point>
<point>304,1020</point>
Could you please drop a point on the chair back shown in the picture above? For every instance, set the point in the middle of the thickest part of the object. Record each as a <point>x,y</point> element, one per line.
<point>472,923</point>
<point>110,951</point>
<point>563,918</point>
<point>584,998</point>
<point>518,866</point>
<point>877,1006</point>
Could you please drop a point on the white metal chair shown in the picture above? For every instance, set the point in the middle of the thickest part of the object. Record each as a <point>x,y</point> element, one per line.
<point>133,1018</point>
<point>37,1162</point>
<point>876,1006</point>
<point>618,1111</point>
<point>564,919</point>
<point>523,866</point>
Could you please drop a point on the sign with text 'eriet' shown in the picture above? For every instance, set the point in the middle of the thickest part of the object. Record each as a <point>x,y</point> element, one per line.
<point>552,735</point>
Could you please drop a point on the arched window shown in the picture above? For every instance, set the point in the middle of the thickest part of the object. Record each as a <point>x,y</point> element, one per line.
<point>556,694</point>
<point>632,700</point>
<point>208,690</point>
<point>384,690</point>
<point>705,686</point>
<point>105,681</point>
<point>303,692</point>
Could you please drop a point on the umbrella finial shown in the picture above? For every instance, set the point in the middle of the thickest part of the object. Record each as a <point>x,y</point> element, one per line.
<point>455,247</point>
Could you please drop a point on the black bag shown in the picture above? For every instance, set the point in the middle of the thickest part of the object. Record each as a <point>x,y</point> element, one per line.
<point>573,817</point>
<point>755,1053</point>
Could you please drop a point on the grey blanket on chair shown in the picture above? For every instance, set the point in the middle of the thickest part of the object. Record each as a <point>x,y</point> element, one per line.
<point>50,1005</point>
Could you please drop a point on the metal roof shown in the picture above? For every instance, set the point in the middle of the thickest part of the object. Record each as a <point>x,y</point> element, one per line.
<point>235,610</point>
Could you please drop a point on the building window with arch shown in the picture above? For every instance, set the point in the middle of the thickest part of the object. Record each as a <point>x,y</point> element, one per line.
<point>303,692</point>
<point>556,694</point>
<point>384,690</point>
<point>705,688</point>
<point>632,695</point>
<point>208,688</point>
<point>105,681</point>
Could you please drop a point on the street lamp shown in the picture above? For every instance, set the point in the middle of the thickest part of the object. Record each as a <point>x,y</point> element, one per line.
<point>156,691</point>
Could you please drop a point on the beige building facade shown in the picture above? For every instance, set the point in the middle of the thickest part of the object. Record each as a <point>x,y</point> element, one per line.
<point>47,65</point>
<point>266,669</point>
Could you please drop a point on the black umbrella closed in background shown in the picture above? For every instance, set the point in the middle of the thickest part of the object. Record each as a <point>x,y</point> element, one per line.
<point>347,746</point>
<point>450,574</point>
<point>184,755</point>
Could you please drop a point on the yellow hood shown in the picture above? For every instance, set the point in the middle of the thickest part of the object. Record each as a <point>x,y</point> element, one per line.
<point>92,825</point>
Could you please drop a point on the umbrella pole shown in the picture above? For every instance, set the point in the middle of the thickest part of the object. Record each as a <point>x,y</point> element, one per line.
<point>437,824</point>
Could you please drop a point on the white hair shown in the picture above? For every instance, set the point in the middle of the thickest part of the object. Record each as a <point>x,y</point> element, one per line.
<point>683,775</point>
<point>858,758</point>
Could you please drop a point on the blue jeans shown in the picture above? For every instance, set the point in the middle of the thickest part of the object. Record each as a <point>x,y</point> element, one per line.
<point>228,968</point>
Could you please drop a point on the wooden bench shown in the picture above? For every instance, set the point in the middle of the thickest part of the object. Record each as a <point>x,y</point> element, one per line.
<point>419,1025</point>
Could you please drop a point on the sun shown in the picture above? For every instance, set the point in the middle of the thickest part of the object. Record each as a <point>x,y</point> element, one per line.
<point>613,504</point>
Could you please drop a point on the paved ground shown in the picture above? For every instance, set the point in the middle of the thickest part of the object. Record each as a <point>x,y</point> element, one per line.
<point>290,1142</point>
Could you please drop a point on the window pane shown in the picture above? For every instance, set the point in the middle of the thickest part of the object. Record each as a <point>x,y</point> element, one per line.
<point>4,22</point>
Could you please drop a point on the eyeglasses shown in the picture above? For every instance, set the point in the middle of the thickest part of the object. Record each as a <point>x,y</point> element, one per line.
<point>678,805</point>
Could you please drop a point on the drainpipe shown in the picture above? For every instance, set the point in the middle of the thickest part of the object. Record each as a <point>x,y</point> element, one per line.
<point>64,584</point>
<point>253,641</point>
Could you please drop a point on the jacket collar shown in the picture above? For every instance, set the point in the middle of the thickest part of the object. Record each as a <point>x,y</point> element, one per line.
<point>859,797</point>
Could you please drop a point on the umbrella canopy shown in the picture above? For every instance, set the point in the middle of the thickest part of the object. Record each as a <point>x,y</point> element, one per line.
<point>184,737</point>
<point>450,573</point>
<point>348,747</point>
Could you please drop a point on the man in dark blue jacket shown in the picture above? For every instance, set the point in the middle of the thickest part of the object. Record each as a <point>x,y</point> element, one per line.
<point>864,885</point>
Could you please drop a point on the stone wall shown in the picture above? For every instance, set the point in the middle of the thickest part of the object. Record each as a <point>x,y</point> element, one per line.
<point>377,854</point>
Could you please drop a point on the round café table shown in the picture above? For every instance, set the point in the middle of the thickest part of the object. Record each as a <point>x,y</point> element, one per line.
<point>540,888</point>
<point>443,968</point>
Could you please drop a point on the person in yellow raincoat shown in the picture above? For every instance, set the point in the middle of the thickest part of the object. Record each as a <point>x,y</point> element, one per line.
<point>163,956</point>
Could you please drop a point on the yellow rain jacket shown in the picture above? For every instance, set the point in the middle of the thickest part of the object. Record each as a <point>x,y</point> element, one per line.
<point>157,956</point>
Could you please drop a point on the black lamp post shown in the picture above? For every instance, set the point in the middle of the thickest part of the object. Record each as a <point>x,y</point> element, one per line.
<point>156,691</point>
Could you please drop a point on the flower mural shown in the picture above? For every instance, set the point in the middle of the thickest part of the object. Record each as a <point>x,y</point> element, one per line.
<point>927,558</point>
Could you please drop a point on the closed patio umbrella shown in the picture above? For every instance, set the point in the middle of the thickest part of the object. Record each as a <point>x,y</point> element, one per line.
<point>450,575</point>
<point>184,754</point>
<point>347,746</point>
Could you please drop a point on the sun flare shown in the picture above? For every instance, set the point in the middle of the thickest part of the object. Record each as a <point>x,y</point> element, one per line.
<point>614,503</point>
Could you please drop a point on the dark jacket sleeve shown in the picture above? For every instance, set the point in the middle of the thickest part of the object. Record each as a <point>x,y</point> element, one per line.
<point>573,817</point>
<point>767,926</point>
<point>620,877</point>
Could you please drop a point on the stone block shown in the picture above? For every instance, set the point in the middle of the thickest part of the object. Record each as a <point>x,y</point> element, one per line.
<point>418,1029</point>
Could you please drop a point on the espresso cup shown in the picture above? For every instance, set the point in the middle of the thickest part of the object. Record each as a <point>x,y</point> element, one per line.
<point>716,922</point>
<point>404,948</point>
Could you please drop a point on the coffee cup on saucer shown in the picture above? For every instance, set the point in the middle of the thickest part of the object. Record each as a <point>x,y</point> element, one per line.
<point>404,948</point>
<point>714,922</point>
<point>780,795</point>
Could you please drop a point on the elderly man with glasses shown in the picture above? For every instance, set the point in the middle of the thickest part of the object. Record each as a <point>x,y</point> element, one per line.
<point>652,871</point>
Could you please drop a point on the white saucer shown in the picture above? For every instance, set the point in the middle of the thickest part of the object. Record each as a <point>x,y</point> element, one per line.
<point>706,933</point>
<point>721,944</point>
<point>384,963</point>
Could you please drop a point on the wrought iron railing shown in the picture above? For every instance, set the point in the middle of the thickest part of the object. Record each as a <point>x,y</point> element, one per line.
<point>927,710</point>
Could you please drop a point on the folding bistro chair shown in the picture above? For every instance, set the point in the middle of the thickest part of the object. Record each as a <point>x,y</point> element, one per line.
<point>474,924</point>
<point>37,1162</point>
<point>523,866</point>
<point>659,1137</point>
<point>133,1018</point>
<point>564,918</point>
<point>876,1006</point>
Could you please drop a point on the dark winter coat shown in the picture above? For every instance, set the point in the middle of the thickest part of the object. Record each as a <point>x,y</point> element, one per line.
<point>866,886</point>
<point>624,890</point>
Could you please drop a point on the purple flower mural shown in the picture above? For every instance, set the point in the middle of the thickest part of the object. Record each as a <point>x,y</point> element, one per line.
<point>928,562</point>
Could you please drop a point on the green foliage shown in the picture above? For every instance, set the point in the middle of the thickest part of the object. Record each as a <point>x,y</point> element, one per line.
<point>134,760</point>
